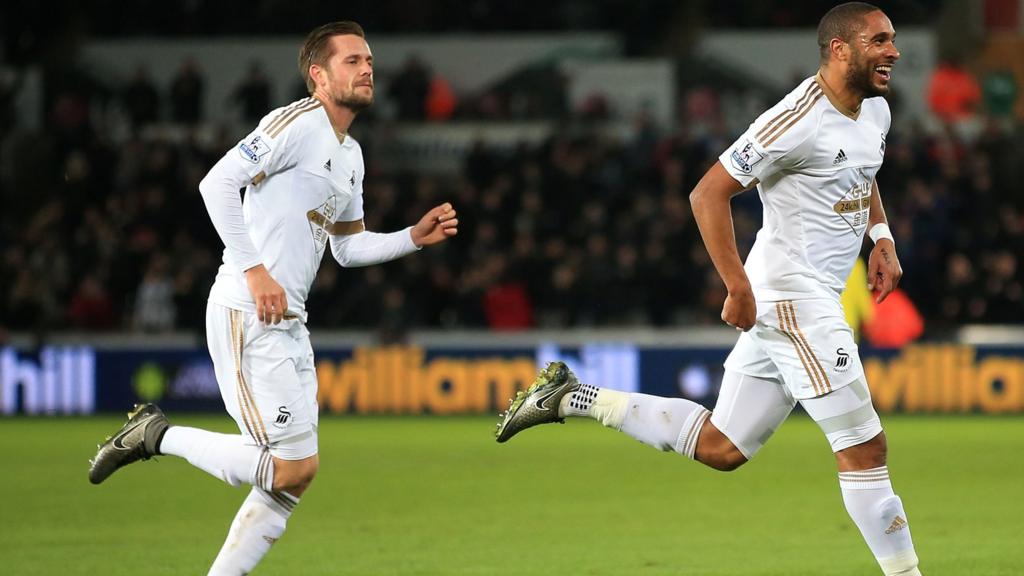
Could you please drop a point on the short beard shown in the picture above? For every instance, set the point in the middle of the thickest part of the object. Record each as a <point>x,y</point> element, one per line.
<point>860,76</point>
<point>354,102</point>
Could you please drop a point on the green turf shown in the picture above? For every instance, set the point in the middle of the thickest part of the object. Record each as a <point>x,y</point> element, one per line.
<point>439,496</point>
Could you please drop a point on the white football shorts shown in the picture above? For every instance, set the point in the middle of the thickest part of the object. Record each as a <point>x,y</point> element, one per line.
<point>750,409</point>
<point>806,344</point>
<point>267,379</point>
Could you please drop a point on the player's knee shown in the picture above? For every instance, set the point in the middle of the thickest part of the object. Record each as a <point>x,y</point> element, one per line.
<point>864,456</point>
<point>295,475</point>
<point>716,450</point>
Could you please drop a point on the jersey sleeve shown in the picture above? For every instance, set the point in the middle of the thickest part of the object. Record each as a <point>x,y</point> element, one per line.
<point>262,153</point>
<point>265,152</point>
<point>354,210</point>
<point>775,141</point>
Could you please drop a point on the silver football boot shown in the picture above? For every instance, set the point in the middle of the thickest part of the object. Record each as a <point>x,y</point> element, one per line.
<point>136,440</point>
<point>539,403</point>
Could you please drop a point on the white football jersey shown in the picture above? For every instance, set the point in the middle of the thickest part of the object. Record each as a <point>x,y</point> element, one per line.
<point>302,179</point>
<point>814,164</point>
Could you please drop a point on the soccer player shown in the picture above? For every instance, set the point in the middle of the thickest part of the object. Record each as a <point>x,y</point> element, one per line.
<point>813,158</point>
<point>303,176</point>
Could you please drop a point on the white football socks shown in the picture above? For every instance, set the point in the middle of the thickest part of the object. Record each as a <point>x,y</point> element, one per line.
<point>259,523</point>
<point>225,456</point>
<point>664,423</point>
<point>878,513</point>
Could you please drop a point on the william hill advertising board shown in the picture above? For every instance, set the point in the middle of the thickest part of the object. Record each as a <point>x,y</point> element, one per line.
<point>417,380</point>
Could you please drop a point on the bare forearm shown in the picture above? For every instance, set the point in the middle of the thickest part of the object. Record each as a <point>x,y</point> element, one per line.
<point>876,214</point>
<point>713,214</point>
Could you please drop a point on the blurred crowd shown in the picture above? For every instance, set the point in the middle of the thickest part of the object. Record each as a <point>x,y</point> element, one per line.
<point>591,227</point>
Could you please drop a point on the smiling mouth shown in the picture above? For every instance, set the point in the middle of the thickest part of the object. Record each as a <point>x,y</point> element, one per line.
<point>884,70</point>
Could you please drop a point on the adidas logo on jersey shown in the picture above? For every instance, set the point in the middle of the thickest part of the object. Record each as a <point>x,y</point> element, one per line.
<point>327,165</point>
<point>897,524</point>
<point>840,158</point>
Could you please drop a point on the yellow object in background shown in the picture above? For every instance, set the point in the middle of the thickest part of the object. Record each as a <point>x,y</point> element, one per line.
<point>858,302</point>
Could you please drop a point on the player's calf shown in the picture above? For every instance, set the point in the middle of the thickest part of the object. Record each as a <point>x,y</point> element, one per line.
<point>295,476</point>
<point>716,450</point>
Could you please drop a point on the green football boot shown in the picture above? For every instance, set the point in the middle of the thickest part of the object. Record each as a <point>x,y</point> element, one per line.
<point>136,440</point>
<point>539,403</point>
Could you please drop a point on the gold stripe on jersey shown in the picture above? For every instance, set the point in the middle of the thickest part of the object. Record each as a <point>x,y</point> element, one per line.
<point>287,118</point>
<point>784,327</point>
<point>247,401</point>
<point>816,364</point>
<point>807,108</point>
<point>236,357</point>
<point>291,108</point>
<point>259,178</point>
<point>273,133</point>
<point>801,343</point>
<point>288,112</point>
<point>346,228</point>
<point>788,111</point>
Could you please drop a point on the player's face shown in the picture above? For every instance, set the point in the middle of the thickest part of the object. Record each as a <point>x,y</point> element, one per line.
<point>872,55</point>
<point>350,72</point>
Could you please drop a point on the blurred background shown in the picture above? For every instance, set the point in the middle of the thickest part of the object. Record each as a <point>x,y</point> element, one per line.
<point>568,134</point>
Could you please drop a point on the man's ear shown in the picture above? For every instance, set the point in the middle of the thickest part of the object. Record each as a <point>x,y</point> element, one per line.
<point>840,49</point>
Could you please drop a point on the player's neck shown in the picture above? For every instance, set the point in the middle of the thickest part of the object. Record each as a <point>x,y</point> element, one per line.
<point>845,99</point>
<point>341,117</point>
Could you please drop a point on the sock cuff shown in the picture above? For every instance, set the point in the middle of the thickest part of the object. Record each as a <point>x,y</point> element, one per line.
<point>686,444</point>
<point>282,502</point>
<point>871,479</point>
<point>263,474</point>
<point>901,564</point>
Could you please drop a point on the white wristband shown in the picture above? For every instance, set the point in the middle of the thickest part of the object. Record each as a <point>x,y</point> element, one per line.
<point>879,231</point>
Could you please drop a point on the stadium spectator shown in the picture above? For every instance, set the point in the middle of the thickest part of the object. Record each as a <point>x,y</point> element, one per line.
<point>440,101</point>
<point>253,94</point>
<point>409,90</point>
<point>999,92</point>
<point>557,212</point>
<point>91,308</point>
<point>141,100</point>
<point>154,301</point>
<point>187,91</point>
<point>953,93</point>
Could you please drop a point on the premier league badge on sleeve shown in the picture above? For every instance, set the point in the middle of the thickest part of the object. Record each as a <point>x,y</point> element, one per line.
<point>744,157</point>
<point>254,149</point>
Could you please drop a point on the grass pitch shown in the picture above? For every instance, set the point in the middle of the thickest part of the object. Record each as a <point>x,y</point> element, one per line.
<point>422,496</point>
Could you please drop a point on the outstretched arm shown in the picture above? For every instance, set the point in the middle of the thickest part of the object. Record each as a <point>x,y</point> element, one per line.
<point>884,270</point>
<point>713,212</point>
<point>354,246</point>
